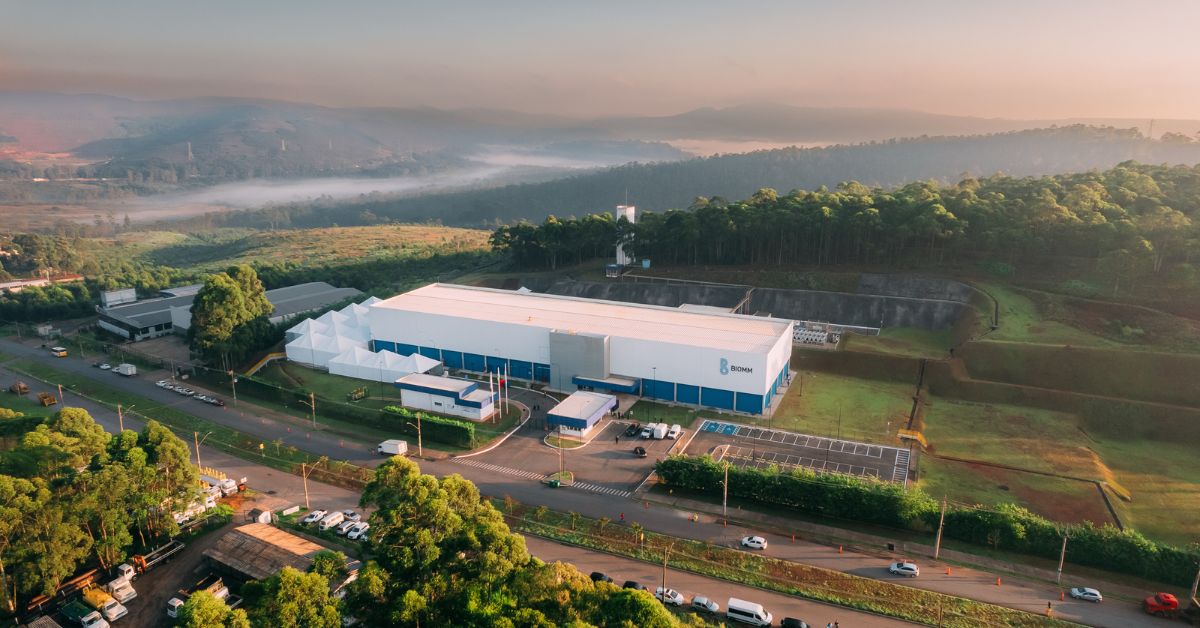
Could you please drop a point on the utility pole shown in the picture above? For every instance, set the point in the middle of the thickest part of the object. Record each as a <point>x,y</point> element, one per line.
<point>562,461</point>
<point>1061,557</point>
<point>937,546</point>
<point>121,418</point>
<point>312,403</point>
<point>233,385</point>
<point>60,395</point>
<point>304,474</point>
<point>420,449</point>
<point>195,439</point>
<point>666,553</point>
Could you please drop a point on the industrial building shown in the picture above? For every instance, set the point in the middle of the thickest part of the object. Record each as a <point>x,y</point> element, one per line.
<point>703,358</point>
<point>171,311</point>
<point>446,395</point>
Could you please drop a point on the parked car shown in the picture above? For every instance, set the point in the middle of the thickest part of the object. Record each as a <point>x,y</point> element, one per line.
<point>668,596</point>
<point>186,392</point>
<point>162,383</point>
<point>1086,593</point>
<point>216,402</point>
<point>351,515</point>
<point>633,429</point>
<point>345,527</point>
<point>597,576</point>
<point>104,366</point>
<point>633,584</point>
<point>648,430</point>
<point>792,622</point>
<point>675,431</point>
<point>314,517</point>
<point>904,569</point>
<point>359,531</point>
<point>754,542</point>
<point>203,398</point>
<point>701,603</point>
<point>640,452</point>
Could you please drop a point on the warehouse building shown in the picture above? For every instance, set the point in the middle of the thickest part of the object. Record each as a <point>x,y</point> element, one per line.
<point>703,358</point>
<point>171,312</point>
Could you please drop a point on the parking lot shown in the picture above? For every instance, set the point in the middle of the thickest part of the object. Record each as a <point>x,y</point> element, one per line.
<point>748,446</point>
<point>607,464</point>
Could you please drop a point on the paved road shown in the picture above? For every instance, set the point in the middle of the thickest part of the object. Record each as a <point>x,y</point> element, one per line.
<point>690,585</point>
<point>963,582</point>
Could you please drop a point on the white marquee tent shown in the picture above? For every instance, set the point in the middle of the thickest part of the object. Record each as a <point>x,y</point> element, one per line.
<point>319,349</point>
<point>383,366</point>
<point>306,326</point>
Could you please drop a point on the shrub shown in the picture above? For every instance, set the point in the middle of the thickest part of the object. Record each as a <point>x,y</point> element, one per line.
<point>433,427</point>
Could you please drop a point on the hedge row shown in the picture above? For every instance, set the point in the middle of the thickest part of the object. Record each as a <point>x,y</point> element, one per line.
<point>1008,527</point>
<point>434,427</point>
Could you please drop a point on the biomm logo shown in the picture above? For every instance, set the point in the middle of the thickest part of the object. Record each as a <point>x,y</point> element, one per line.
<point>724,366</point>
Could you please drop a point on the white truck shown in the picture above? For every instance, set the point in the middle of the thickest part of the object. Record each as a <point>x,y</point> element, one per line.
<point>393,447</point>
<point>126,369</point>
<point>121,589</point>
<point>660,430</point>
<point>331,520</point>
<point>100,600</point>
<point>226,486</point>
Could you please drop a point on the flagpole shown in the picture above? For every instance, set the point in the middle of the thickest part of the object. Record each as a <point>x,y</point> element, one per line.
<point>492,392</point>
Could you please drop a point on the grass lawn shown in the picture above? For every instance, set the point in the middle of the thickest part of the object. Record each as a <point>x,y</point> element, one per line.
<point>1022,321</point>
<point>1054,498</point>
<point>859,409</point>
<point>906,341</point>
<point>332,387</point>
<point>1162,478</point>
<point>28,404</point>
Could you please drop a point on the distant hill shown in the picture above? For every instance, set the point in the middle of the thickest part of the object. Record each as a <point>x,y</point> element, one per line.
<point>673,185</point>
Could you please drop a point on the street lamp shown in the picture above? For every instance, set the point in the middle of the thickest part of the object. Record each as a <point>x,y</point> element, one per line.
<point>312,404</point>
<point>305,471</point>
<point>198,440</point>
<point>420,449</point>
<point>233,385</point>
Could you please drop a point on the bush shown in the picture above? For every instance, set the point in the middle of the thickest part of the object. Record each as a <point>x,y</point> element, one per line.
<point>1078,288</point>
<point>1007,527</point>
<point>440,429</point>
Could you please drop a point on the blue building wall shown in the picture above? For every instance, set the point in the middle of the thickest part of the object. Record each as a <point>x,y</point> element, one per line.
<point>651,389</point>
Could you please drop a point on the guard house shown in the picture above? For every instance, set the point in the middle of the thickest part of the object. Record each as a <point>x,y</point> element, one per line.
<point>578,414</point>
<point>446,395</point>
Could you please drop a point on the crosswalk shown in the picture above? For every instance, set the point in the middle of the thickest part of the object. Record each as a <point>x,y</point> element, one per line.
<point>602,489</point>
<point>900,472</point>
<point>530,475</point>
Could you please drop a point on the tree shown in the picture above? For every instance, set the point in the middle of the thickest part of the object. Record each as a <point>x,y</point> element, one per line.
<point>205,610</point>
<point>294,599</point>
<point>330,565</point>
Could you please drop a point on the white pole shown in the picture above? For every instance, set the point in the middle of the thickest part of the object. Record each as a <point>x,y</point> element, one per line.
<point>507,398</point>
<point>492,391</point>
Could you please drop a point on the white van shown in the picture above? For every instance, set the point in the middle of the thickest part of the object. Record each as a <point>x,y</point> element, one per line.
<point>747,612</point>
<point>332,519</point>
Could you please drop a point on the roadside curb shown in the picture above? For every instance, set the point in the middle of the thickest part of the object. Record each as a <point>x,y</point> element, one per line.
<point>528,415</point>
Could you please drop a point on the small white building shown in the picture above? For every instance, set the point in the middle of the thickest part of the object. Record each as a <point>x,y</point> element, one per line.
<point>579,413</point>
<point>446,395</point>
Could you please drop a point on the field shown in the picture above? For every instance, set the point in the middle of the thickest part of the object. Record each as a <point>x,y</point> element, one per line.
<point>825,404</point>
<point>1022,321</point>
<point>906,341</point>
<point>308,247</point>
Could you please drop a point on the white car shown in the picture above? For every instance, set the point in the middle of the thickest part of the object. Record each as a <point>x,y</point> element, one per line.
<point>345,527</point>
<point>359,531</point>
<point>702,603</point>
<point>314,517</point>
<point>162,383</point>
<point>351,515</point>
<point>1087,593</point>
<point>904,569</point>
<point>754,542</point>
<point>186,392</point>
<point>668,596</point>
<point>201,398</point>
<point>105,367</point>
<point>675,431</point>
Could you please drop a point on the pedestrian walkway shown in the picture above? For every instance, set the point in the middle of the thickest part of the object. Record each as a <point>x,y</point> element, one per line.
<point>530,475</point>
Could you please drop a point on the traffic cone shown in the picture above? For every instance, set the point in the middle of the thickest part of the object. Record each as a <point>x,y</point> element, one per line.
<point>947,571</point>
<point>997,581</point>
<point>839,550</point>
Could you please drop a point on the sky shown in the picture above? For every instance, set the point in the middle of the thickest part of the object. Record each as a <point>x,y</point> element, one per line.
<point>1012,58</point>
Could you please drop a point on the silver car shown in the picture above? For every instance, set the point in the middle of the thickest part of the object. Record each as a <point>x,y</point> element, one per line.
<point>702,603</point>
<point>1087,593</point>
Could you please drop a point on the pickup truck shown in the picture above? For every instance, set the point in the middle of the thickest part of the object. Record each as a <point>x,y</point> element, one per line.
<point>211,583</point>
<point>100,600</point>
<point>83,615</point>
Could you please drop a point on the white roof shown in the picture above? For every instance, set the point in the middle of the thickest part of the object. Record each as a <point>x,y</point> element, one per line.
<point>308,326</point>
<point>733,332</point>
<point>582,404</point>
